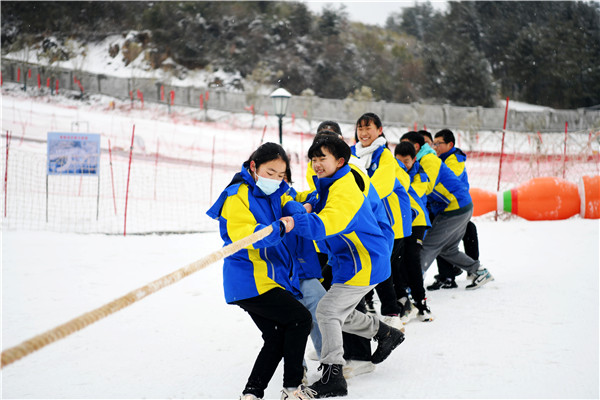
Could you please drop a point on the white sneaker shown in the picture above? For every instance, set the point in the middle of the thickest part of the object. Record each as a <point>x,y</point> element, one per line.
<point>409,311</point>
<point>357,367</point>
<point>302,392</point>
<point>249,396</point>
<point>393,321</point>
<point>482,276</point>
<point>424,313</point>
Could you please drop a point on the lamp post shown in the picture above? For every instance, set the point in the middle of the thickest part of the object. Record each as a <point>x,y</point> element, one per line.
<point>280,98</point>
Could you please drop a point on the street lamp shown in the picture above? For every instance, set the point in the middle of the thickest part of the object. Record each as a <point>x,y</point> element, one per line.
<point>280,98</point>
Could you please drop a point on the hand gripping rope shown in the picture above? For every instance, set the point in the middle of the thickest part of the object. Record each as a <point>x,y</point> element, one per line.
<point>37,342</point>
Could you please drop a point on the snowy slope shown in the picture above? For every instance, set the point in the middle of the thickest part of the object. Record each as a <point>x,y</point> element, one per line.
<point>532,333</point>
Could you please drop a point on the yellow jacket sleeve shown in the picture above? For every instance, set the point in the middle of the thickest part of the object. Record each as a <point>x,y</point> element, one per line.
<point>384,177</point>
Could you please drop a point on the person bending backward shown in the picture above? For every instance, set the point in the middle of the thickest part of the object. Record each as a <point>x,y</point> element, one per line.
<point>257,278</point>
<point>343,222</point>
<point>382,168</point>
<point>454,158</point>
<point>450,203</point>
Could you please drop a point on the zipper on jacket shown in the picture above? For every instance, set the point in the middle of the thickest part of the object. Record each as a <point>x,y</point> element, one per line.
<point>271,263</point>
<point>351,252</point>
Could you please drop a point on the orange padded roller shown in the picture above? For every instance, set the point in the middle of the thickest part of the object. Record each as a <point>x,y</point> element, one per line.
<point>589,194</point>
<point>546,198</point>
<point>483,201</point>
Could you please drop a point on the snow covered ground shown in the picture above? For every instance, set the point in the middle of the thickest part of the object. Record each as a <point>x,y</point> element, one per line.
<point>532,333</point>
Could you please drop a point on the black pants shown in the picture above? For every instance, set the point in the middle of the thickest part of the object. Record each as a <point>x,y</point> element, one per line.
<point>385,290</point>
<point>285,325</point>
<point>471,244</point>
<point>407,266</point>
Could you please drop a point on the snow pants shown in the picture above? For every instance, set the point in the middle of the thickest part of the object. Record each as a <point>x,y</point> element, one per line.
<point>446,232</point>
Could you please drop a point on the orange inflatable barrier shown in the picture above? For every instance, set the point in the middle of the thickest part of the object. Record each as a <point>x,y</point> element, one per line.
<point>546,198</point>
<point>589,193</point>
<point>483,201</point>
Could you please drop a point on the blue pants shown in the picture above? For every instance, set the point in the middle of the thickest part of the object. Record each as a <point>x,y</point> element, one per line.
<point>312,291</point>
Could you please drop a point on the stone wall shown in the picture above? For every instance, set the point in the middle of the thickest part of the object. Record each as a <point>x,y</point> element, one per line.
<point>347,111</point>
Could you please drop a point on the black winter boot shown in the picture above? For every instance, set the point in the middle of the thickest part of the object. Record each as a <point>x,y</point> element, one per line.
<point>332,383</point>
<point>388,339</point>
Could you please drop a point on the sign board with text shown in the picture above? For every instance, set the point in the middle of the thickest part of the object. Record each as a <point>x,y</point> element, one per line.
<point>73,153</point>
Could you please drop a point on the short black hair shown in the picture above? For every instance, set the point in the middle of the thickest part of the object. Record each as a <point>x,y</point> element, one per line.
<point>405,149</point>
<point>448,136</point>
<point>426,133</point>
<point>365,120</point>
<point>336,146</point>
<point>325,132</point>
<point>329,126</point>
<point>414,137</point>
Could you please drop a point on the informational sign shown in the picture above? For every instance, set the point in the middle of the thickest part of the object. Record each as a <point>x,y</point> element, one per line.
<point>73,153</point>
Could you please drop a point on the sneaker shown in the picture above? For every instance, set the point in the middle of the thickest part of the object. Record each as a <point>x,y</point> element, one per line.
<point>302,392</point>
<point>393,321</point>
<point>482,276</point>
<point>388,339</point>
<point>407,310</point>
<point>331,384</point>
<point>424,313</point>
<point>447,283</point>
<point>357,367</point>
<point>249,396</point>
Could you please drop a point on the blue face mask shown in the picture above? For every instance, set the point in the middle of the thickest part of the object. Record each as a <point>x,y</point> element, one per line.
<point>268,186</point>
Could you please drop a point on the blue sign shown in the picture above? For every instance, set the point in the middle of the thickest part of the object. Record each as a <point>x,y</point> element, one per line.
<point>73,153</point>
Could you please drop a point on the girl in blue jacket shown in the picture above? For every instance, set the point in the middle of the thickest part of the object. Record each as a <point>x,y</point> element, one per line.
<point>257,278</point>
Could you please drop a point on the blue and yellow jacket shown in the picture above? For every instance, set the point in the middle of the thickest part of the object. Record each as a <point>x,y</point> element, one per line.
<point>302,249</point>
<point>370,193</point>
<point>243,209</point>
<point>343,223</point>
<point>455,160</point>
<point>419,210</point>
<point>445,192</point>
<point>418,180</point>
<point>383,172</point>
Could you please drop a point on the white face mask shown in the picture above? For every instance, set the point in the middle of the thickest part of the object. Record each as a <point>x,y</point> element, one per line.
<point>267,185</point>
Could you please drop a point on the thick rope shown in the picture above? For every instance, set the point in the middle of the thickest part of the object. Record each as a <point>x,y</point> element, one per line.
<point>29,346</point>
